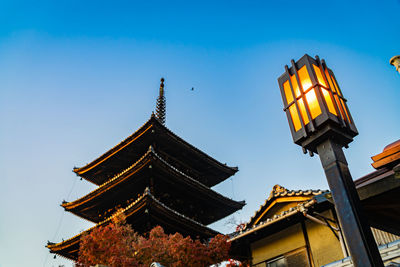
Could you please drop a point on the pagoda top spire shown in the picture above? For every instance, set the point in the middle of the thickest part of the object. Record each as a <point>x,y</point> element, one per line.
<point>161,103</point>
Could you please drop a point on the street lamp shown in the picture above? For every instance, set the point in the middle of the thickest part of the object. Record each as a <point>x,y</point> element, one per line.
<point>320,122</point>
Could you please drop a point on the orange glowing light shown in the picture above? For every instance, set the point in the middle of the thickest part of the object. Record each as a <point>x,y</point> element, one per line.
<point>340,107</point>
<point>345,110</point>
<point>330,81</point>
<point>310,97</point>
<point>303,111</point>
<point>329,102</point>
<point>320,78</point>
<point>304,78</point>
<point>313,104</point>
<point>288,92</point>
<point>336,86</point>
<point>295,117</point>
<point>296,87</point>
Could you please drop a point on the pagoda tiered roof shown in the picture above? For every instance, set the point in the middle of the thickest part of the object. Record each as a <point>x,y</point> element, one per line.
<point>175,176</point>
<point>143,214</point>
<point>175,150</point>
<point>170,185</point>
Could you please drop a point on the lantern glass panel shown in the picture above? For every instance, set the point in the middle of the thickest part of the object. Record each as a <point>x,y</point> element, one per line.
<point>304,78</point>
<point>320,78</point>
<point>329,101</point>
<point>337,88</point>
<point>345,110</point>
<point>296,87</point>
<point>295,117</point>
<point>303,111</point>
<point>330,81</point>
<point>313,104</point>
<point>340,107</point>
<point>288,92</point>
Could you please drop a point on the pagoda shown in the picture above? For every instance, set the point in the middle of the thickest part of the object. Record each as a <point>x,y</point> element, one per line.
<point>151,178</point>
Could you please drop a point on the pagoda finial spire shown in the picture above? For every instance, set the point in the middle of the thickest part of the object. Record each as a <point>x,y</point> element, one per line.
<point>161,103</point>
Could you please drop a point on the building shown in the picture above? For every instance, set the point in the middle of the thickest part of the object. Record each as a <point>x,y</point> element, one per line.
<point>379,191</point>
<point>152,178</point>
<point>292,228</point>
<point>300,228</point>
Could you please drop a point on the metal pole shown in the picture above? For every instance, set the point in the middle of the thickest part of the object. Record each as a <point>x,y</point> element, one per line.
<point>356,231</point>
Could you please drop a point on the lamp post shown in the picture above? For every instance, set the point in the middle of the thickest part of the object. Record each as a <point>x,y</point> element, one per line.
<point>321,123</point>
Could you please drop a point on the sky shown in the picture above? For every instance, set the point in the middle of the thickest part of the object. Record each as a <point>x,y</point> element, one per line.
<point>77,77</point>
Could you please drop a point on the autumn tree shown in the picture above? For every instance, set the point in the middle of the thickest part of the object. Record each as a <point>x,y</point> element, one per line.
<point>109,245</point>
<point>117,245</point>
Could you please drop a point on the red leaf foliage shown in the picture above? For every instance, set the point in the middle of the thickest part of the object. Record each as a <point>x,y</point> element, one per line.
<point>236,263</point>
<point>117,245</point>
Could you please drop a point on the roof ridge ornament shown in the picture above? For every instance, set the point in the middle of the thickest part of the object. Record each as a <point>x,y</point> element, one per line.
<point>151,149</point>
<point>278,189</point>
<point>147,191</point>
<point>161,104</point>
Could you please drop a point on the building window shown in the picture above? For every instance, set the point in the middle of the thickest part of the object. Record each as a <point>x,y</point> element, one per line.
<point>278,262</point>
<point>294,258</point>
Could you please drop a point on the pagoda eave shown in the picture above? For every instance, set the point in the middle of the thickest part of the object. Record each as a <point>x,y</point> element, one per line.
<point>136,176</point>
<point>143,214</point>
<point>153,132</point>
<point>68,249</point>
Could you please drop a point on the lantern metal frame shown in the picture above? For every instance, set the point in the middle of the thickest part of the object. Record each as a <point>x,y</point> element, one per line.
<point>339,127</point>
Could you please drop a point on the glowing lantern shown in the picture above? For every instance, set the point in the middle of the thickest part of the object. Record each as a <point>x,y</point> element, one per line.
<point>314,104</point>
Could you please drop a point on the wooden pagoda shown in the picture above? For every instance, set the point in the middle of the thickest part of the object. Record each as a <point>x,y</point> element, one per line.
<point>152,178</point>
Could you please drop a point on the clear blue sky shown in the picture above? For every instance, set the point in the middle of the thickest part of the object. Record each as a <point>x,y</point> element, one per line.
<point>77,77</point>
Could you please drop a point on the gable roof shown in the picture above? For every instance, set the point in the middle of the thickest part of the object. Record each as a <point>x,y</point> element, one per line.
<point>283,217</point>
<point>280,194</point>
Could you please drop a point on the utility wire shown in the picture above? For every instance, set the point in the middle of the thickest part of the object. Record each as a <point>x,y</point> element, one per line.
<point>60,222</point>
<point>239,212</point>
<point>233,189</point>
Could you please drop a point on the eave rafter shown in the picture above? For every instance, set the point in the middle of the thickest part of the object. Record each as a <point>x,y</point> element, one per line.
<point>133,172</point>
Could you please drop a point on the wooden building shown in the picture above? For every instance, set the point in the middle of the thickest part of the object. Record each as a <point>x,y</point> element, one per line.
<point>292,228</point>
<point>152,178</point>
<point>300,228</point>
